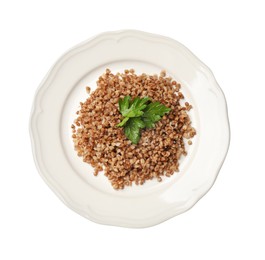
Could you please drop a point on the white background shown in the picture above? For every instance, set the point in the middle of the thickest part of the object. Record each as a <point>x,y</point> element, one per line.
<point>228,223</point>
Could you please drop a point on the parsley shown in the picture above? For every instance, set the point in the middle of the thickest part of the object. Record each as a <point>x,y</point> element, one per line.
<point>138,114</point>
<point>153,113</point>
<point>132,129</point>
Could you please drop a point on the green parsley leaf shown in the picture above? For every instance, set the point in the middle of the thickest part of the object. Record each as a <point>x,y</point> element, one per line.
<point>135,107</point>
<point>132,129</point>
<point>124,103</point>
<point>139,113</point>
<point>153,113</point>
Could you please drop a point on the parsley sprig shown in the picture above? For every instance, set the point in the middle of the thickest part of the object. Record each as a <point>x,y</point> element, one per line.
<point>139,113</point>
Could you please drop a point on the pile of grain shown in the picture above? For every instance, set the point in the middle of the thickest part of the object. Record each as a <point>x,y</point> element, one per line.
<point>104,146</point>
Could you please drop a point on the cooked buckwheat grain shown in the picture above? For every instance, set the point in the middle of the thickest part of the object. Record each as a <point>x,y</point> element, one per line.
<point>104,146</point>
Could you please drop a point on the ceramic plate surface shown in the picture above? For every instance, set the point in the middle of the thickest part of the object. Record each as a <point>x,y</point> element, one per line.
<point>57,100</point>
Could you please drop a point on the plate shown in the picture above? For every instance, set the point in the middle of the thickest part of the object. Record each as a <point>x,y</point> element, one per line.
<point>57,100</point>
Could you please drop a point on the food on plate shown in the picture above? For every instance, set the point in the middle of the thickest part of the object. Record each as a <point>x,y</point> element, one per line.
<point>133,127</point>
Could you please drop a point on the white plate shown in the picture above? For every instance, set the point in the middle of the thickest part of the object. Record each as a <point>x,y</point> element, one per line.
<point>72,180</point>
